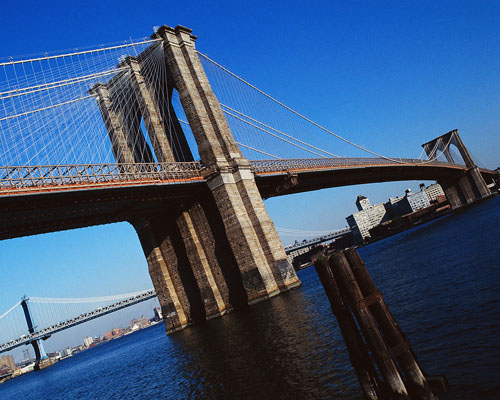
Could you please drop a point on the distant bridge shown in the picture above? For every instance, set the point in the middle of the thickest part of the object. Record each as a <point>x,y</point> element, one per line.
<point>37,334</point>
<point>317,240</point>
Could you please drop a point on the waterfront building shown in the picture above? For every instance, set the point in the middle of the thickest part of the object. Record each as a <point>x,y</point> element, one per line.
<point>158,314</point>
<point>411,202</point>
<point>88,341</point>
<point>369,216</point>
<point>366,218</point>
<point>397,206</point>
<point>143,322</point>
<point>117,332</point>
<point>298,252</point>
<point>417,200</point>
<point>7,362</point>
<point>433,191</point>
<point>363,203</point>
<point>66,352</point>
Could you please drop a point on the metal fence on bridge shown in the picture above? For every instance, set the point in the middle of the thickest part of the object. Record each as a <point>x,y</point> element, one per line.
<point>49,176</point>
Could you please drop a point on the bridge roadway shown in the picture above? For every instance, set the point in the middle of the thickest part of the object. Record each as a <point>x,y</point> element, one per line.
<point>42,199</point>
<point>47,332</point>
<point>312,242</point>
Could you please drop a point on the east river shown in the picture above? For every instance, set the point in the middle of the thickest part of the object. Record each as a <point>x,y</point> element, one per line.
<point>440,280</point>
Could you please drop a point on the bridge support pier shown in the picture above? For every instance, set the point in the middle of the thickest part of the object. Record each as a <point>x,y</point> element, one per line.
<point>215,253</point>
<point>282,270</point>
<point>257,277</point>
<point>255,244</point>
<point>186,266</point>
<point>211,297</point>
<point>468,188</point>
<point>172,309</point>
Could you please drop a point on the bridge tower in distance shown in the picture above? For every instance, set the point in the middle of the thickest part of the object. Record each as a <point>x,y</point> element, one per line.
<point>37,344</point>
<point>471,185</point>
<point>216,252</point>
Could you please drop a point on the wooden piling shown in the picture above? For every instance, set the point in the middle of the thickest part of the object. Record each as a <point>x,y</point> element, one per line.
<point>358,353</point>
<point>417,385</point>
<point>348,285</point>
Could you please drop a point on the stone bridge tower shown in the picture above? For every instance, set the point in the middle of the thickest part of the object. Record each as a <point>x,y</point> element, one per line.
<point>205,255</point>
<point>471,185</point>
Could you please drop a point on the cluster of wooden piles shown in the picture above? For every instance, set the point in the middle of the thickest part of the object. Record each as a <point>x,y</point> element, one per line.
<point>380,354</point>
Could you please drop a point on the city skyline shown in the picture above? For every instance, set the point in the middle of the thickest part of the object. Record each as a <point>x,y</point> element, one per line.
<point>388,77</point>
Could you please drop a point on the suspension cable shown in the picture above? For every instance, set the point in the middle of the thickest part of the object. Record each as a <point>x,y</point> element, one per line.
<point>86,300</point>
<point>44,108</point>
<point>258,151</point>
<point>52,85</point>
<point>77,53</point>
<point>14,306</point>
<point>276,130</point>
<point>295,112</point>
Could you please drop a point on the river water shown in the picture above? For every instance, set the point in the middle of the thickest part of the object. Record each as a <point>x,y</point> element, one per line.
<point>440,280</point>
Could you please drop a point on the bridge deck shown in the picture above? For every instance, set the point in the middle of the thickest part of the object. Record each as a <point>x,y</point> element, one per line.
<point>48,178</point>
<point>40,199</point>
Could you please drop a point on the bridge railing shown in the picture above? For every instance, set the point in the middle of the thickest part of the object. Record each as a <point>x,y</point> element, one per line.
<point>58,175</point>
<point>267,166</point>
<point>29,177</point>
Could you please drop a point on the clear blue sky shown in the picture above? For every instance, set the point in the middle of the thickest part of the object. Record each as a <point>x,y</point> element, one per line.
<point>388,75</point>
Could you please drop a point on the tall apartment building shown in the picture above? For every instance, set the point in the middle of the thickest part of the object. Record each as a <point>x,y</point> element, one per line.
<point>363,203</point>
<point>158,313</point>
<point>88,341</point>
<point>433,191</point>
<point>369,216</point>
<point>7,362</point>
<point>409,203</point>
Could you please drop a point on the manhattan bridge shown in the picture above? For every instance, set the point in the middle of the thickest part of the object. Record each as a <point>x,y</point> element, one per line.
<point>158,134</point>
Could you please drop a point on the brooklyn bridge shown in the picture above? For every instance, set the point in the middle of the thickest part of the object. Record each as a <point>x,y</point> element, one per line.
<point>158,134</point>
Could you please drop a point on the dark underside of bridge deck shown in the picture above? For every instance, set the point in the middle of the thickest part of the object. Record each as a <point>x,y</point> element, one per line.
<point>29,213</point>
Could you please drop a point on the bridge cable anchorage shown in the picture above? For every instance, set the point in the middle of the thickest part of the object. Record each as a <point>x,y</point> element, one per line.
<point>295,112</point>
<point>46,122</point>
<point>431,157</point>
